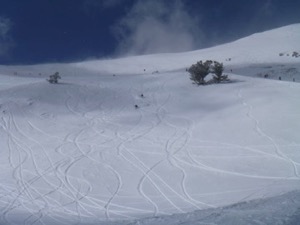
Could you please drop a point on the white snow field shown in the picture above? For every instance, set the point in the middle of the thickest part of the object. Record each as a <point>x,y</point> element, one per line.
<point>79,152</point>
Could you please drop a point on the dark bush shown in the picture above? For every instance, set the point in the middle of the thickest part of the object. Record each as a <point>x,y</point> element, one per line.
<point>199,71</point>
<point>295,54</point>
<point>218,69</point>
<point>53,79</point>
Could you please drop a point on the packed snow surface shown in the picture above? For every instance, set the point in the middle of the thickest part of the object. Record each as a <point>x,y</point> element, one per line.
<point>279,210</point>
<point>80,152</point>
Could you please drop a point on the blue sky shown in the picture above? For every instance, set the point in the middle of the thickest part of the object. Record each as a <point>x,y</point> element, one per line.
<point>39,31</point>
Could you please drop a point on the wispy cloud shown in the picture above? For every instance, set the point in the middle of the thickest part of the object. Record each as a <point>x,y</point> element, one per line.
<point>154,26</point>
<point>6,42</point>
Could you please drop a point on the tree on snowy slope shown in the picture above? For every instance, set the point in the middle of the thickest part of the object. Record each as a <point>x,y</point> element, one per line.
<point>218,69</point>
<point>53,79</point>
<point>199,71</point>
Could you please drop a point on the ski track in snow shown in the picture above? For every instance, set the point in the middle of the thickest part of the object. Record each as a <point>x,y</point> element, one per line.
<point>260,131</point>
<point>24,185</point>
<point>143,168</point>
<point>169,146</point>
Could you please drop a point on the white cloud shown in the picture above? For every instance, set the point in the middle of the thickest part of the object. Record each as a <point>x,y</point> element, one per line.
<point>6,42</point>
<point>153,26</point>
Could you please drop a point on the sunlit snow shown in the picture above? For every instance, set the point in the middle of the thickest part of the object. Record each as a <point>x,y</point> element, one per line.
<point>79,152</point>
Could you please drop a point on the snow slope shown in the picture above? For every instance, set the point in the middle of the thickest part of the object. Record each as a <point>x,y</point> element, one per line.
<point>80,153</point>
<point>283,209</point>
<point>258,50</point>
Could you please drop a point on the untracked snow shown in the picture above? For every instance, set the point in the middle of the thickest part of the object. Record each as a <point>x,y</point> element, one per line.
<point>80,152</point>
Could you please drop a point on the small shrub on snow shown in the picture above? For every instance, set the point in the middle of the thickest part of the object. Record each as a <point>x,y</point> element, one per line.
<point>53,79</point>
<point>295,54</point>
<point>200,70</point>
<point>218,69</point>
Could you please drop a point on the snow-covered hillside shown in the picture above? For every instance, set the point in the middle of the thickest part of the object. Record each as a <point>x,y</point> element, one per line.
<point>279,210</point>
<point>79,152</point>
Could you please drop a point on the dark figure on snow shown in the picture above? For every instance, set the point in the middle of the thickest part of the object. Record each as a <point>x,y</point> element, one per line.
<point>53,79</point>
